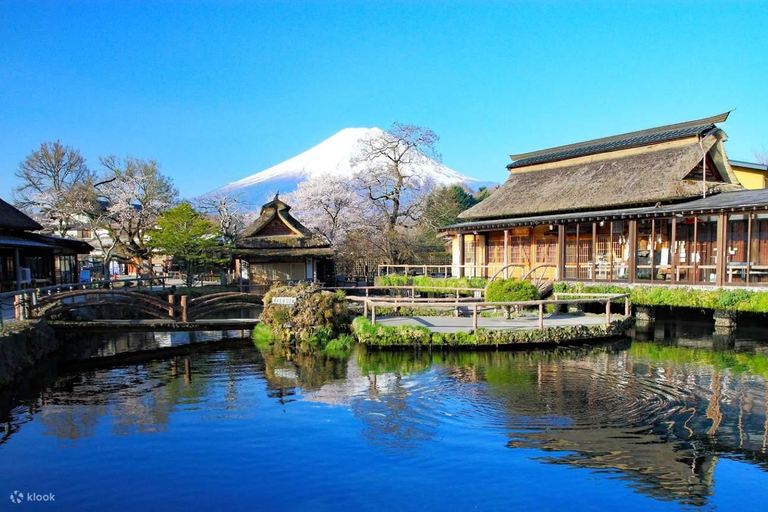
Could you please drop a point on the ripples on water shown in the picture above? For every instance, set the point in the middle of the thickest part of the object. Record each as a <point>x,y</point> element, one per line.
<point>662,423</point>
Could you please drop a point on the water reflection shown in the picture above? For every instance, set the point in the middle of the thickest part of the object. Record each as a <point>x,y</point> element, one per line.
<point>655,415</point>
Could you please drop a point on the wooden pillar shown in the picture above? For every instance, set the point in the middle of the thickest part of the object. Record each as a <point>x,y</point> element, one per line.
<point>722,249</point>
<point>673,252</point>
<point>462,257</point>
<point>607,311</point>
<point>561,252</point>
<point>474,255</point>
<point>474,317</point>
<point>506,253</point>
<point>171,302</point>
<point>594,251</point>
<point>749,247</point>
<point>17,266</point>
<point>632,250</point>
<point>184,308</point>
<point>373,314</point>
<point>627,306</point>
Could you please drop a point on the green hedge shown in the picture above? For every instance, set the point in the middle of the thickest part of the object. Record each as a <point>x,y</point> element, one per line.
<point>415,336</point>
<point>725,299</point>
<point>431,284</point>
<point>511,290</point>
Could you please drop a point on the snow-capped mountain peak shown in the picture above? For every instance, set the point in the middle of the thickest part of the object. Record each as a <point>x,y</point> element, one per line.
<point>332,157</point>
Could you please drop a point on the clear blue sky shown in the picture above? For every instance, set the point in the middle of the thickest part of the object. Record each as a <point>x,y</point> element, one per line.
<point>218,90</point>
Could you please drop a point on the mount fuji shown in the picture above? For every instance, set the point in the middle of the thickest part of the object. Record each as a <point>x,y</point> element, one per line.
<point>332,158</point>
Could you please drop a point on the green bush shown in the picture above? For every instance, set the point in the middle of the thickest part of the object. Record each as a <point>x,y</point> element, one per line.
<point>415,336</point>
<point>316,318</point>
<point>431,284</point>
<point>511,290</point>
<point>726,299</point>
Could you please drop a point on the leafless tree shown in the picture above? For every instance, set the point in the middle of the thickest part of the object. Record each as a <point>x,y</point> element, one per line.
<point>49,176</point>
<point>230,212</point>
<point>762,156</point>
<point>387,170</point>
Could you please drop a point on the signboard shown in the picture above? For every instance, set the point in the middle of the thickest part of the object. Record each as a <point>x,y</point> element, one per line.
<point>478,295</point>
<point>85,275</point>
<point>284,301</point>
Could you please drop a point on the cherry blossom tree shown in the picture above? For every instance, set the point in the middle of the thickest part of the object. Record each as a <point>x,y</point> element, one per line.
<point>331,207</point>
<point>125,202</point>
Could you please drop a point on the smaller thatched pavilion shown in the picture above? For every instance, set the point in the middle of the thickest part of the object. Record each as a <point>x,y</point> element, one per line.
<point>277,248</point>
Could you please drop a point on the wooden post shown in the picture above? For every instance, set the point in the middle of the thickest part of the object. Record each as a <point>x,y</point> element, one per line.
<point>184,308</point>
<point>607,311</point>
<point>17,267</point>
<point>373,314</point>
<point>722,249</point>
<point>594,251</point>
<point>413,292</point>
<point>627,306</point>
<point>16,308</point>
<point>461,254</point>
<point>474,317</point>
<point>632,250</point>
<point>365,308</point>
<point>541,315</point>
<point>506,253</point>
<point>171,302</point>
<point>34,301</point>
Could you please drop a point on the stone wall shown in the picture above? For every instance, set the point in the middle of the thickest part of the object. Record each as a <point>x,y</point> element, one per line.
<point>22,345</point>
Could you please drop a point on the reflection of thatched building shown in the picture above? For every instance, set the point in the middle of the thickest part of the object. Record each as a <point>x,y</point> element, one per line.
<point>278,248</point>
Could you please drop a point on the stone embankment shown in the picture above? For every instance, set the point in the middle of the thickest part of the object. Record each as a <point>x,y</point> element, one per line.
<point>22,344</point>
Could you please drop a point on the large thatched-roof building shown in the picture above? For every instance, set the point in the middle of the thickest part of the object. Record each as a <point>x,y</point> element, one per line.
<point>659,205</point>
<point>33,259</point>
<point>277,248</point>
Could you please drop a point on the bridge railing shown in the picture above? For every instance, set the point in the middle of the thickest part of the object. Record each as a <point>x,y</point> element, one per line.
<point>22,299</point>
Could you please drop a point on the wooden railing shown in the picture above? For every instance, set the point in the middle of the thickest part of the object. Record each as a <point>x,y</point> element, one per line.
<point>478,306</point>
<point>412,289</point>
<point>22,299</point>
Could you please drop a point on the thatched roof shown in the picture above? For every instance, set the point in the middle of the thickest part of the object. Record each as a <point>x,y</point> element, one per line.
<point>277,229</point>
<point>626,177</point>
<point>14,220</point>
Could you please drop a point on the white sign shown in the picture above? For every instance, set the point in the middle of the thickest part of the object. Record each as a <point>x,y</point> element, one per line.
<point>284,301</point>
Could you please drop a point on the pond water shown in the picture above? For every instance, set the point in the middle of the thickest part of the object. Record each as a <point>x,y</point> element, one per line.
<point>672,419</point>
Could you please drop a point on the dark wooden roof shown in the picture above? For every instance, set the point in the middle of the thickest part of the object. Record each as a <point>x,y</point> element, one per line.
<point>617,142</point>
<point>277,229</point>
<point>14,220</point>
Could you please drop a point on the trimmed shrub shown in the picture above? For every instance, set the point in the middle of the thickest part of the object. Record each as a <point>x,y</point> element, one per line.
<point>511,290</point>
<point>725,299</point>
<point>431,284</point>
